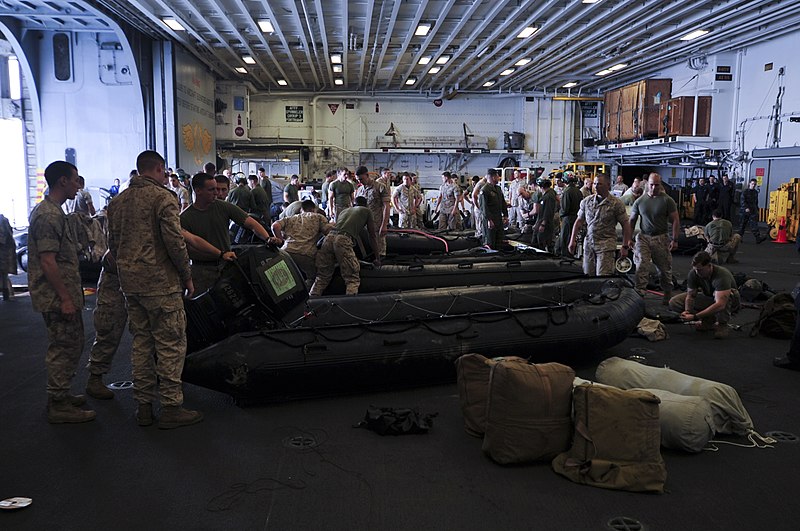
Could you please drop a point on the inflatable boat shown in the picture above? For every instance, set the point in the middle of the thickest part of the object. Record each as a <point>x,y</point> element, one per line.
<point>470,267</point>
<point>413,241</point>
<point>257,337</point>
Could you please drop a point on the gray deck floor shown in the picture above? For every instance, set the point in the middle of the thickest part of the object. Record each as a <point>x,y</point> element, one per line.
<point>244,469</point>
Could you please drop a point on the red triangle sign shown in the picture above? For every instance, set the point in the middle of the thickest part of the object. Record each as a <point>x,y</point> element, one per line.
<point>333,107</point>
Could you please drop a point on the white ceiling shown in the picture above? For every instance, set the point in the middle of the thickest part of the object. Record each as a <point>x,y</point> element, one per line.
<point>573,40</point>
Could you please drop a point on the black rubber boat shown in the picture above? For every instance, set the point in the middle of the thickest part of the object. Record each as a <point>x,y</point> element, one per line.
<point>255,337</point>
<point>420,242</point>
<point>469,267</point>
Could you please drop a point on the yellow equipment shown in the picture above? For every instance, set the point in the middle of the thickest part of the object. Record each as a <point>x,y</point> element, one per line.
<point>586,169</point>
<point>784,203</point>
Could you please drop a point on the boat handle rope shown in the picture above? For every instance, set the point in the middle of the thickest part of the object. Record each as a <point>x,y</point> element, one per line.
<point>535,332</point>
<point>597,299</point>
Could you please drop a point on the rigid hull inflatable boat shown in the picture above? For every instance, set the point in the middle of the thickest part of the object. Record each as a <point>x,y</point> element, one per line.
<point>272,344</point>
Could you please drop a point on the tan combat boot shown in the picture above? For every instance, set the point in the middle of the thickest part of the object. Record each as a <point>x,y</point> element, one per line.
<point>97,389</point>
<point>64,412</point>
<point>176,416</point>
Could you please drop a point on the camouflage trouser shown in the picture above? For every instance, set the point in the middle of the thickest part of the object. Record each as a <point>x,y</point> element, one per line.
<point>381,245</point>
<point>702,301</point>
<point>520,213</point>
<point>337,248</point>
<point>204,276</point>
<point>597,261</point>
<point>64,349</point>
<point>513,217</point>
<point>653,250</point>
<point>158,324</point>
<point>477,217</point>
<point>307,265</point>
<point>720,254</point>
<point>448,220</point>
<point>110,316</point>
<point>407,221</point>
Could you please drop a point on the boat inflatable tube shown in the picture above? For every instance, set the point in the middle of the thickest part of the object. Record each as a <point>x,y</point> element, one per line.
<point>470,268</point>
<point>728,412</point>
<point>390,340</point>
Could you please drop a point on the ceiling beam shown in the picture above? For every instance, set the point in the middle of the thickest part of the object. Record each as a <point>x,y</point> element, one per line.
<point>488,20</point>
<point>409,36</point>
<point>386,39</point>
<point>324,34</point>
<point>279,32</point>
<point>302,35</point>
<point>448,40</point>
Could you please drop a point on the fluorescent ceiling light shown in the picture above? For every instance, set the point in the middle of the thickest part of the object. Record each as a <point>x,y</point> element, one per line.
<point>422,30</point>
<point>570,85</point>
<point>286,159</point>
<point>266,26</point>
<point>282,82</point>
<point>685,163</point>
<point>604,72</point>
<point>338,68</point>
<point>589,1</point>
<point>489,83</point>
<point>338,81</point>
<point>425,60</point>
<point>336,58</point>
<point>507,72</point>
<point>411,81</point>
<point>693,35</point>
<point>173,24</point>
<point>712,163</point>
<point>522,62</point>
<point>619,66</point>
<point>527,32</point>
<point>241,69</point>
<point>442,60</point>
<point>434,70</point>
<point>248,60</point>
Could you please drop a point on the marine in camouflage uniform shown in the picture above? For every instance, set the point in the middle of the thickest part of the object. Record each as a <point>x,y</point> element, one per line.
<point>378,198</point>
<point>153,265</point>
<point>654,243</point>
<point>300,234</point>
<point>477,214</point>
<point>406,199</point>
<point>110,316</point>
<point>338,248</point>
<point>600,213</point>
<point>55,288</point>
<point>447,205</point>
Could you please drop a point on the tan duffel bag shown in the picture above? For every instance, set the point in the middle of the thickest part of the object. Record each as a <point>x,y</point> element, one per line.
<point>528,411</point>
<point>617,441</point>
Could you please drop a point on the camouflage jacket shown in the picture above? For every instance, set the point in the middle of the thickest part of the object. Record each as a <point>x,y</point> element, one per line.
<point>145,237</point>
<point>49,232</point>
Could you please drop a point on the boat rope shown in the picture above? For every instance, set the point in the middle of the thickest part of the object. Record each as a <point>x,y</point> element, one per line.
<point>514,299</point>
<point>756,441</point>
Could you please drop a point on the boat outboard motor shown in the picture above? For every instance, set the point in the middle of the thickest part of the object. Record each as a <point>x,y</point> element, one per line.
<point>254,292</point>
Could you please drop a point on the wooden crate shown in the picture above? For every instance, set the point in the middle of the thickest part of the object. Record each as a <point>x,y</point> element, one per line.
<point>631,112</point>
<point>676,116</point>
<point>611,115</point>
<point>652,92</point>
